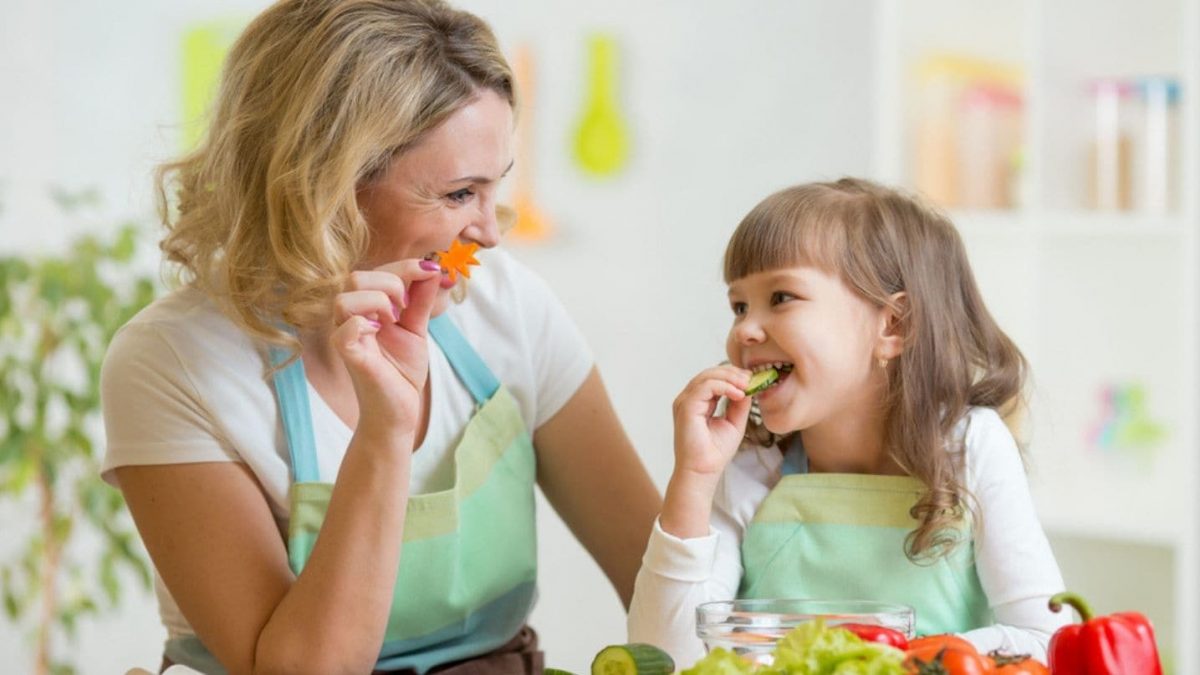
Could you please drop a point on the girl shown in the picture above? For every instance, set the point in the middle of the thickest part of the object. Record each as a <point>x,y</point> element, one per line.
<point>877,466</point>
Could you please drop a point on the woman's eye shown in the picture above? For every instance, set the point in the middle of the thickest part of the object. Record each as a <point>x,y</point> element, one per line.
<point>460,196</point>
<point>780,297</point>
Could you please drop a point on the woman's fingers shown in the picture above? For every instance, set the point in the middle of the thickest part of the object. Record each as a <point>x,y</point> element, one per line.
<point>349,339</point>
<point>422,295</point>
<point>382,293</point>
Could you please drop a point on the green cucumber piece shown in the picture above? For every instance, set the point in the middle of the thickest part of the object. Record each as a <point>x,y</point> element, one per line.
<point>632,659</point>
<point>761,380</point>
<point>556,671</point>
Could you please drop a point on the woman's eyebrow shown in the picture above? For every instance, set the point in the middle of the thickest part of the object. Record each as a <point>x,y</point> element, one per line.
<point>481,179</point>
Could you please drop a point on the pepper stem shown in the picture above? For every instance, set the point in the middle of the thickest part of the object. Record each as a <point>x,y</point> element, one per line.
<point>1069,598</point>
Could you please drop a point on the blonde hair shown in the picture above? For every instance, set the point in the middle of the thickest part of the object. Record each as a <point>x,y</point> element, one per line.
<point>316,97</point>
<point>882,242</point>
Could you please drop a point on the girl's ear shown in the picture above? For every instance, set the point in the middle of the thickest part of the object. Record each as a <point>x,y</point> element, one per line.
<point>893,323</point>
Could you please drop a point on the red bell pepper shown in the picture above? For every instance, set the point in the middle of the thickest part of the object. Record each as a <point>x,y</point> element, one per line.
<point>872,633</point>
<point>1117,644</point>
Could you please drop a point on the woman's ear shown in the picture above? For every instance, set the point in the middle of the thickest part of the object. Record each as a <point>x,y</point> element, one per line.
<point>893,325</point>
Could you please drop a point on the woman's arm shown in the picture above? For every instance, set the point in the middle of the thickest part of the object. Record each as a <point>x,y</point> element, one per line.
<point>213,540</point>
<point>593,478</point>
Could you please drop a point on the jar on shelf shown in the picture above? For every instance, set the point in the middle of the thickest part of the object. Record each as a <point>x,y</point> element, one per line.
<point>1110,165</point>
<point>1156,159</point>
<point>989,145</point>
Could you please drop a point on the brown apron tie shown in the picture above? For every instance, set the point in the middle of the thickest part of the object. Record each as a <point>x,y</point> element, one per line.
<point>518,656</point>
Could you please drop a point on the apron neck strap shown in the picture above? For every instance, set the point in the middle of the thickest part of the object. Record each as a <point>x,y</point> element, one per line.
<point>795,461</point>
<point>471,369</point>
<point>291,386</point>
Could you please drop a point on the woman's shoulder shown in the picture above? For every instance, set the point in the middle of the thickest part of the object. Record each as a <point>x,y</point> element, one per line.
<point>186,327</point>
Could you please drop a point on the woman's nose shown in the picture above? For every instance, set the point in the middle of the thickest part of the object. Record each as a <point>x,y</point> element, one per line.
<point>486,229</point>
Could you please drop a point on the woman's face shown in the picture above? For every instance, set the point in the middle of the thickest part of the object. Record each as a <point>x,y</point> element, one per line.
<point>442,189</point>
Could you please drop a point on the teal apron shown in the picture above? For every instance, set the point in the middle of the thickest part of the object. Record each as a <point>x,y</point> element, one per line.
<point>826,536</point>
<point>468,568</point>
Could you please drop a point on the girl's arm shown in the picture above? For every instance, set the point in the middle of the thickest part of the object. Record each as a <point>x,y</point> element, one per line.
<point>687,563</point>
<point>679,574</point>
<point>593,478</point>
<point>1016,566</point>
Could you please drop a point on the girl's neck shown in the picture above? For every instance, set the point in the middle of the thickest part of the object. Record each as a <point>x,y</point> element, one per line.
<point>850,443</point>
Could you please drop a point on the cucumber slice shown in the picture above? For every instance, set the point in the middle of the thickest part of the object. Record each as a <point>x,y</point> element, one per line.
<point>556,671</point>
<point>632,659</point>
<point>761,380</point>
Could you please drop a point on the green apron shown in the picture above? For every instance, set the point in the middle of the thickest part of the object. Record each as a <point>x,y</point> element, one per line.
<point>825,536</point>
<point>467,575</point>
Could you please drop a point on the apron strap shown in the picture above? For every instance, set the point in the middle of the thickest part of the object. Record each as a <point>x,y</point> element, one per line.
<point>291,386</point>
<point>471,369</point>
<point>795,461</point>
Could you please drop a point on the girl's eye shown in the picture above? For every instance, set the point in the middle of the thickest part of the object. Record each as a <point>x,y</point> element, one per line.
<point>779,297</point>
<point>739,308</point>
<point>460,196</point>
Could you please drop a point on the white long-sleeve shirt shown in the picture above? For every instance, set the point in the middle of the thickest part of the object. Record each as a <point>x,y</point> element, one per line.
<point>1016,567</point>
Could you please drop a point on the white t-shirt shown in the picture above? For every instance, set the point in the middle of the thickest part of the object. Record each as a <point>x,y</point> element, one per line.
<point>182,383</point>
<point>1016,567</point>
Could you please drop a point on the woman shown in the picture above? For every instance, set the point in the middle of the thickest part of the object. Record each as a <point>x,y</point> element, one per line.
<point>290,386</point>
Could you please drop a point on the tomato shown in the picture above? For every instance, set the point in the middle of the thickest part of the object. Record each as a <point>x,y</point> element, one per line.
<point>1018,664</point>
<point>945,655</point>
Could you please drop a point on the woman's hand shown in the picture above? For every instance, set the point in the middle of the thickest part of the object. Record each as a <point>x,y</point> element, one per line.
<point>704,446</point>
<point>382,317</point>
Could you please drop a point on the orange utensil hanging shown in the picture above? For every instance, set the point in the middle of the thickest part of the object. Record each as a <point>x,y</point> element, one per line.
<point>531,223</point>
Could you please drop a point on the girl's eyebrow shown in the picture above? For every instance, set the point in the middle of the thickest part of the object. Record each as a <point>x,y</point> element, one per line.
<point>481,179</point>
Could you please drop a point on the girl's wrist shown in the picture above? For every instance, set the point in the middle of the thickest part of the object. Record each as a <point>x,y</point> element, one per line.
<point>687,504</point>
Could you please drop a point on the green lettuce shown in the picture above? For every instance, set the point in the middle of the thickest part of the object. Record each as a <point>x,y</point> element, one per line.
<point>811,649</point>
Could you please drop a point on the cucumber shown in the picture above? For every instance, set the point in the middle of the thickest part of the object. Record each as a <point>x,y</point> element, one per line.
<point>761,380</point>
<point>556,671</point>
<point>632,659</point>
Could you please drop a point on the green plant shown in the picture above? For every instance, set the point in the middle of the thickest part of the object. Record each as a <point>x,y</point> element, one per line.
<point>57,317</point>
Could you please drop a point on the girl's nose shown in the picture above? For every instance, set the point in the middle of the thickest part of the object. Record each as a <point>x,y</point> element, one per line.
<point>749,332</point>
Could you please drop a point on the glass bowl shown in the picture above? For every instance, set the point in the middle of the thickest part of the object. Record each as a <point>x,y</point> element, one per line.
<point>750,628</point>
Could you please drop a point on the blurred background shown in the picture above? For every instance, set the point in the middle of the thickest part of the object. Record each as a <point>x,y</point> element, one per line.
<point>1062,135</point>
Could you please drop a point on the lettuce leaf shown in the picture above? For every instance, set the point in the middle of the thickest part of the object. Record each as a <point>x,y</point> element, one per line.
<point>811,649</point>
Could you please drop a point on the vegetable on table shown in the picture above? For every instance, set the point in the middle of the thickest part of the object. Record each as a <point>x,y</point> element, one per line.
<point>632,659</point>
<point>874,633</point>
<point>1016,664</point>
<point>945,655</point>
<point>1107,645</point>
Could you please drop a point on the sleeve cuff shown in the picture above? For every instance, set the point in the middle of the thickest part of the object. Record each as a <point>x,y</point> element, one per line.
<point>680,559</point>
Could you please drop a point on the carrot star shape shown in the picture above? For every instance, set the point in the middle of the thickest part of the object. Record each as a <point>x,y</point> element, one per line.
<point>458,259</point>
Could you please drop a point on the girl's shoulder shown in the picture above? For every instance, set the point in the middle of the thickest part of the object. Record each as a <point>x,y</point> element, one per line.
<point>989,449</point>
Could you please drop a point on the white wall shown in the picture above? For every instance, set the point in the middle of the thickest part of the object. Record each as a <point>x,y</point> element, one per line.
<point>726,101</point>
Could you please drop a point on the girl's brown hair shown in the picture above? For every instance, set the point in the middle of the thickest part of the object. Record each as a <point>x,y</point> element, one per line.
<point>316,97</point>
<point>882,242</point>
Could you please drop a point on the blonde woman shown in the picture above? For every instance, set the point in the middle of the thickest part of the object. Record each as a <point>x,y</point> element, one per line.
<point>330,459</point>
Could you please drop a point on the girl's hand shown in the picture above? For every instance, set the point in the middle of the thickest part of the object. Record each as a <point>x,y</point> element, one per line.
<point>381,318</point>
<point>704,444</point>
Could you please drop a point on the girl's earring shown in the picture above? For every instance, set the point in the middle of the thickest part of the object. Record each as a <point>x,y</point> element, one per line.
<point>883,363</point>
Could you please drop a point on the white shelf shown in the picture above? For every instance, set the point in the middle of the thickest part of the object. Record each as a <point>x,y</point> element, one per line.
<point>1094,299</point>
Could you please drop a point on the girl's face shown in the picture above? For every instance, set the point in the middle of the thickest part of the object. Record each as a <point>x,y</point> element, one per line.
<point>813,322</point>
<point>442,189</point>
